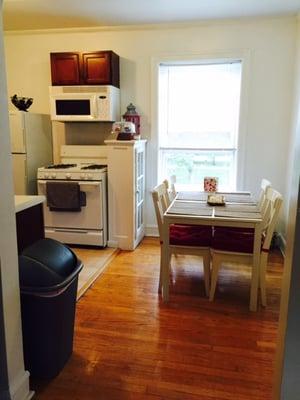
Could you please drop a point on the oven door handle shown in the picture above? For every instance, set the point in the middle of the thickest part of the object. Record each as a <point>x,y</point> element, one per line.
<point>89,183</point>
<point>85,186</point>
<point>80,183</point>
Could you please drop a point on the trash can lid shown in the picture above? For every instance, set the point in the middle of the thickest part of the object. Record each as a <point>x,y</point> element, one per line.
<point>46,263</point>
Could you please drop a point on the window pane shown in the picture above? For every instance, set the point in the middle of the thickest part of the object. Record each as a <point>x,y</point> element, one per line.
<point>199,105</point>
<point>198,122</point>
<point>190,167</point>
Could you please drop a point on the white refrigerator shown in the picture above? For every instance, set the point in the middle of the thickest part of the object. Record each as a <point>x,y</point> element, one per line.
<point>31,146</point>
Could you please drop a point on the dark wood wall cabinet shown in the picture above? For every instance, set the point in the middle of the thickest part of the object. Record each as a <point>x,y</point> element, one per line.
<point>87,68</point>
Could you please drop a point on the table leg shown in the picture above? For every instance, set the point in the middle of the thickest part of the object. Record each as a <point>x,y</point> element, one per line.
<point>165,262</point>
<point>255,267</point>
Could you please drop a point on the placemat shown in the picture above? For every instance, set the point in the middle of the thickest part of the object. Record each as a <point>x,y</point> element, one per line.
<point>238,198</point>
<point>235,207</point>
<point>189,208</point>
<point>229,197</point>
<point>183,211</point>
<point>236,193</point>
<point>230,214</point>
<point>191,204</point>
<point>198,196</point>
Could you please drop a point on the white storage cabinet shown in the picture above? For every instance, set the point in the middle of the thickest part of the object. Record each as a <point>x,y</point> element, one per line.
<point>126,192</point>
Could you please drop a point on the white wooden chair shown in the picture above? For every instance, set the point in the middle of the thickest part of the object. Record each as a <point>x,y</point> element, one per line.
<point>264,186</point>
<point>170,187</point>
<point>240,244</point>
<point>177,233</point>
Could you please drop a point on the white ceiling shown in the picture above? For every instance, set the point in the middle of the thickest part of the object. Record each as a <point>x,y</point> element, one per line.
<point>47,14</point>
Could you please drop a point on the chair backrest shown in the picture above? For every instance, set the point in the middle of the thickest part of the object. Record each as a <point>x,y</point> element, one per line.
<point>161,203</point>
<point>264,187</point>
<point>170,188</point>
<point>273,205</point>
<point>172,191</point>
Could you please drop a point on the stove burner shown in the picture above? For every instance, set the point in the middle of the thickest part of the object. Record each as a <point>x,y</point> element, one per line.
<point>61,166</point>
<point>94,166</point>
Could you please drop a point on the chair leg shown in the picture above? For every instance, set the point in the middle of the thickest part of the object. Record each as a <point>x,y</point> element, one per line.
<point>262,278</point>
<point>216,264</point>
<point>160,272</point>
<point>206,268</point>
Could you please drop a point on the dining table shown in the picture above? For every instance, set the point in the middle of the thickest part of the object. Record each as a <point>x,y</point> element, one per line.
<point>191,208</point>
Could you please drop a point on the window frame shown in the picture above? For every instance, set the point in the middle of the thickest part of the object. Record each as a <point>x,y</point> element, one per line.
<point>225,57</point>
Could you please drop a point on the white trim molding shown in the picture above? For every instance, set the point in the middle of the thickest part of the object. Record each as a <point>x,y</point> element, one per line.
<point>151,230</point>
<point>19,387</point>
<point>282,244</point>
<point>154,26</point>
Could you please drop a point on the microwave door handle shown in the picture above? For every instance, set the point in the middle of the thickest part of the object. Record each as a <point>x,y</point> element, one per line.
<point>95,107</point>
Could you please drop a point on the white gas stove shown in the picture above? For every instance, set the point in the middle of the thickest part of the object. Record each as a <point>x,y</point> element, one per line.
<point>76,191</point>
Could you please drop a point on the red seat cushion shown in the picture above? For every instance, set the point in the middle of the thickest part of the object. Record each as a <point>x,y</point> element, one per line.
<point>231,229</point>
<point>233,239</point>
<point>190,235</point>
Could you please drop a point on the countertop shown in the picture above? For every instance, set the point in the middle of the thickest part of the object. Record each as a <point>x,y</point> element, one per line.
<point>24,202</point>
<point>124,142</point>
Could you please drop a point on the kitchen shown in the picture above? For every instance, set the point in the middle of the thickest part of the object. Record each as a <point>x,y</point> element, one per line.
<point>76,103</point>
<point>139,50</point>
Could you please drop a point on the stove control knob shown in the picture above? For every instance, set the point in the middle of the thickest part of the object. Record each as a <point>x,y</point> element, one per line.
<point>68,176</point>
<point>46,176</point>
<point>89,176</point>
<point>53,176</point>
<point>82,176</point>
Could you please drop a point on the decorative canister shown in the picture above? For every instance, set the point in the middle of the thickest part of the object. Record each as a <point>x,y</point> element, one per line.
<point>210,184</point>
<point>132,116</point>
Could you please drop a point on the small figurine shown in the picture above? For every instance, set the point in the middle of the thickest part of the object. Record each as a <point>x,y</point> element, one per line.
<point>22,103</point>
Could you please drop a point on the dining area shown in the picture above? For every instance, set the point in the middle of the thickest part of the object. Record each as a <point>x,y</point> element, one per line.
<point>221,228</point>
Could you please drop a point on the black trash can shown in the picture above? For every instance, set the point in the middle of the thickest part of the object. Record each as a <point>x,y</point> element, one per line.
<point>48,281</point>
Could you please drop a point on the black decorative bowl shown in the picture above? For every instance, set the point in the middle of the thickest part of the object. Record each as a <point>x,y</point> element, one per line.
<point>22,103</point>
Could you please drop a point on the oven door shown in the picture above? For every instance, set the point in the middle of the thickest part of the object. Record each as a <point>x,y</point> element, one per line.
<point>91,216</point>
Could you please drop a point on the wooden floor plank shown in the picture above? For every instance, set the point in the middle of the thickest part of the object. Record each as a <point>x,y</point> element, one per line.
<point>130,345</point>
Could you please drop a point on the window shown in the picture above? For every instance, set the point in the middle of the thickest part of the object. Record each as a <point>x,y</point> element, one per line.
<point>198,120</point>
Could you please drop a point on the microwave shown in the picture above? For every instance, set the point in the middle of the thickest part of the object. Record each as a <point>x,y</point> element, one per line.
<point>84,103</point>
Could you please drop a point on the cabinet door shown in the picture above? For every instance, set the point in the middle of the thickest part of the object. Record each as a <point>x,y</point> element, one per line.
<point>139,190</point>
<point>65,68</point>
<point>100,68</point>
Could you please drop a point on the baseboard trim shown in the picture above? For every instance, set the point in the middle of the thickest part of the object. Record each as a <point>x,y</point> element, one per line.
<point>19,389</point>
<point>112,243</point>
<point>151,230</point>
<point>282,244</point>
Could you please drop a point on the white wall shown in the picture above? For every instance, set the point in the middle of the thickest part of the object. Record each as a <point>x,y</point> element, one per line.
<point>11,350</point>
<point>271,46</point>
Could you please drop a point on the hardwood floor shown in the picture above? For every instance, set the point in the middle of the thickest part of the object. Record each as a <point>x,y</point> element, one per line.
<point>129,345</point>
<point>94,263</point>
